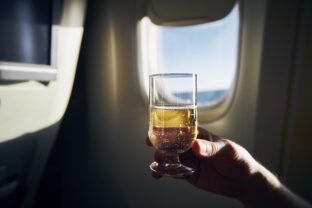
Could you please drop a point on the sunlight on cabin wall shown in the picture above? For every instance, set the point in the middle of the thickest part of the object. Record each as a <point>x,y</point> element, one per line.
<point>148,47</point>
<point>30,106</point>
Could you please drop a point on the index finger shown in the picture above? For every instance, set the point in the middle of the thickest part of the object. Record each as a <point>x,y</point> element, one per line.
<point>206,135</point>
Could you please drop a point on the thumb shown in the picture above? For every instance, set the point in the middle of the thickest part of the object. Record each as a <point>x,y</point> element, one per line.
<point>206,149</point>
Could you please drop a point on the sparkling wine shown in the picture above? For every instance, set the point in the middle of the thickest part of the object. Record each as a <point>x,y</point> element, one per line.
<point>172,129</point>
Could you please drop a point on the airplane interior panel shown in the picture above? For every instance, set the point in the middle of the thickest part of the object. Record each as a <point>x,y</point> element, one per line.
<point>25,30</point>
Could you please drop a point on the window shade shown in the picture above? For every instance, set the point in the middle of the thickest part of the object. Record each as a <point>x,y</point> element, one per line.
<point>187,12</point>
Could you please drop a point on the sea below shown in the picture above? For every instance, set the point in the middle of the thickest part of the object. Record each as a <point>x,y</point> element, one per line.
<point>204,97</point>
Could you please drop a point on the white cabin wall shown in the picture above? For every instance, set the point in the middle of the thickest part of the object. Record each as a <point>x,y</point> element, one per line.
<point>296,165</point>
<point>31,111</point>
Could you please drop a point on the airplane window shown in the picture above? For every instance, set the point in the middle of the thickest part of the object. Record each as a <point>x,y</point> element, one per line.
<point>209,49</point>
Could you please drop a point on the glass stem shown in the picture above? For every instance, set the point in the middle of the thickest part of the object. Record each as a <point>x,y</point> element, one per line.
<point>172,161</point>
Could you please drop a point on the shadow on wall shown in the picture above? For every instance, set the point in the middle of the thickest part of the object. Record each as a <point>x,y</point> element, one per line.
<point>22,160</point>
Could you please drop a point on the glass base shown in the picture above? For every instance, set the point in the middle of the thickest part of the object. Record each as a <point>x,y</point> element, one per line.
<point>174,170</point>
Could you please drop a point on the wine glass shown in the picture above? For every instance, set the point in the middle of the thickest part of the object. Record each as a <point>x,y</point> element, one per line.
<point>173,120</point>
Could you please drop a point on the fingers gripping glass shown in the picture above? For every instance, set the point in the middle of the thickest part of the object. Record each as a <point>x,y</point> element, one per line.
<point>173,120</point>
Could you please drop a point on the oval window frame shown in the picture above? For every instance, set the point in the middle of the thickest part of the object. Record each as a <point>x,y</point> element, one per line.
<point>148,64</point>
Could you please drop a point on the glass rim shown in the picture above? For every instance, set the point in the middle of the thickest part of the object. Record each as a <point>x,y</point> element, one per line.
<point>172,75</point>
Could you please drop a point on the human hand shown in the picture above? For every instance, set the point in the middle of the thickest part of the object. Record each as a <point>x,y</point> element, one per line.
<point>224,167</point>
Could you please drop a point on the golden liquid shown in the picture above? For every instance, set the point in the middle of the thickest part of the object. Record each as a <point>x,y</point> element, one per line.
<point>173,129</point>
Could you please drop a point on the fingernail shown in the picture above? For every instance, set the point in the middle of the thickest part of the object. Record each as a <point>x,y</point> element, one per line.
<point>202,148</point>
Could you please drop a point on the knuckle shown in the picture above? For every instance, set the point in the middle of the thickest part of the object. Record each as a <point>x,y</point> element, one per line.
<point>214,149</point>
<point>231,149</point>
